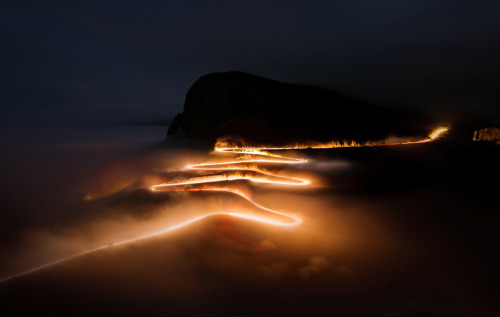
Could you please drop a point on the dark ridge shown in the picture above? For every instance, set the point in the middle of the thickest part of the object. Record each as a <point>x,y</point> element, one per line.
<point>268,111</point>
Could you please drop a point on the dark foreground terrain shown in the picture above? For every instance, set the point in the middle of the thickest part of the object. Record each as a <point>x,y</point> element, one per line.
<point>405,230</point>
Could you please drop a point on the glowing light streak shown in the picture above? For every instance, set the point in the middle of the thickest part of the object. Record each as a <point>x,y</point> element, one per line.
<point>295,221</point>
<point>292,220</point>
<point>225,178</point>
<point>437,133</point>
<point>223,145</point>
<point>219,166</point>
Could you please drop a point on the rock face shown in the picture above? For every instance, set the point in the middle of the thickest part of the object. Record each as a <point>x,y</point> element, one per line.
<point>267,111</point>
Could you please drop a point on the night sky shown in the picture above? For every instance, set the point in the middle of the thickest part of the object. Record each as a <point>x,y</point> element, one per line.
<point>88,62</point>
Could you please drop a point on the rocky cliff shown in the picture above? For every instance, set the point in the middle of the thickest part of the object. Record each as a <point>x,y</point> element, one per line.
<point>264,110</point>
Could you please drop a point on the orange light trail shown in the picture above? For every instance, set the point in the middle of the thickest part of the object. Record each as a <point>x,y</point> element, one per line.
<point>222,145</point>
<point>233,177</point>
<point>437,133</point>
<point>293,220</point>
<point>239,173</point>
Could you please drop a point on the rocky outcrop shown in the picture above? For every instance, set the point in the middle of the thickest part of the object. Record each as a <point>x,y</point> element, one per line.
<point>263,110</point>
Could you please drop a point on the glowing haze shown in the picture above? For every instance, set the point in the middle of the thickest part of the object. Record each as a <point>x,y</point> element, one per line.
<point>244,164</point>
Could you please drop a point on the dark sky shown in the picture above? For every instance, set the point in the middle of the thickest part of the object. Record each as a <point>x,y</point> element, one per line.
<point>69,62</point>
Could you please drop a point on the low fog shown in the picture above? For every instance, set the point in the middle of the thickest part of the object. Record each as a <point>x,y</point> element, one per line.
<point>386,231</point>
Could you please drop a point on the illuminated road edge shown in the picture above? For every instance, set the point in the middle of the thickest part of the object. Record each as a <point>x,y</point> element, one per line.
<point>253,174</point>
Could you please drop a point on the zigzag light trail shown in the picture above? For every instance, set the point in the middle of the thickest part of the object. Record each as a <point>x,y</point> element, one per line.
<point>238,173</point>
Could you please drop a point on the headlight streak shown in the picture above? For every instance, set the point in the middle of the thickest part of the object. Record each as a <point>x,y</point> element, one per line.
<point>223,145</point>
<point>266,177</point>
